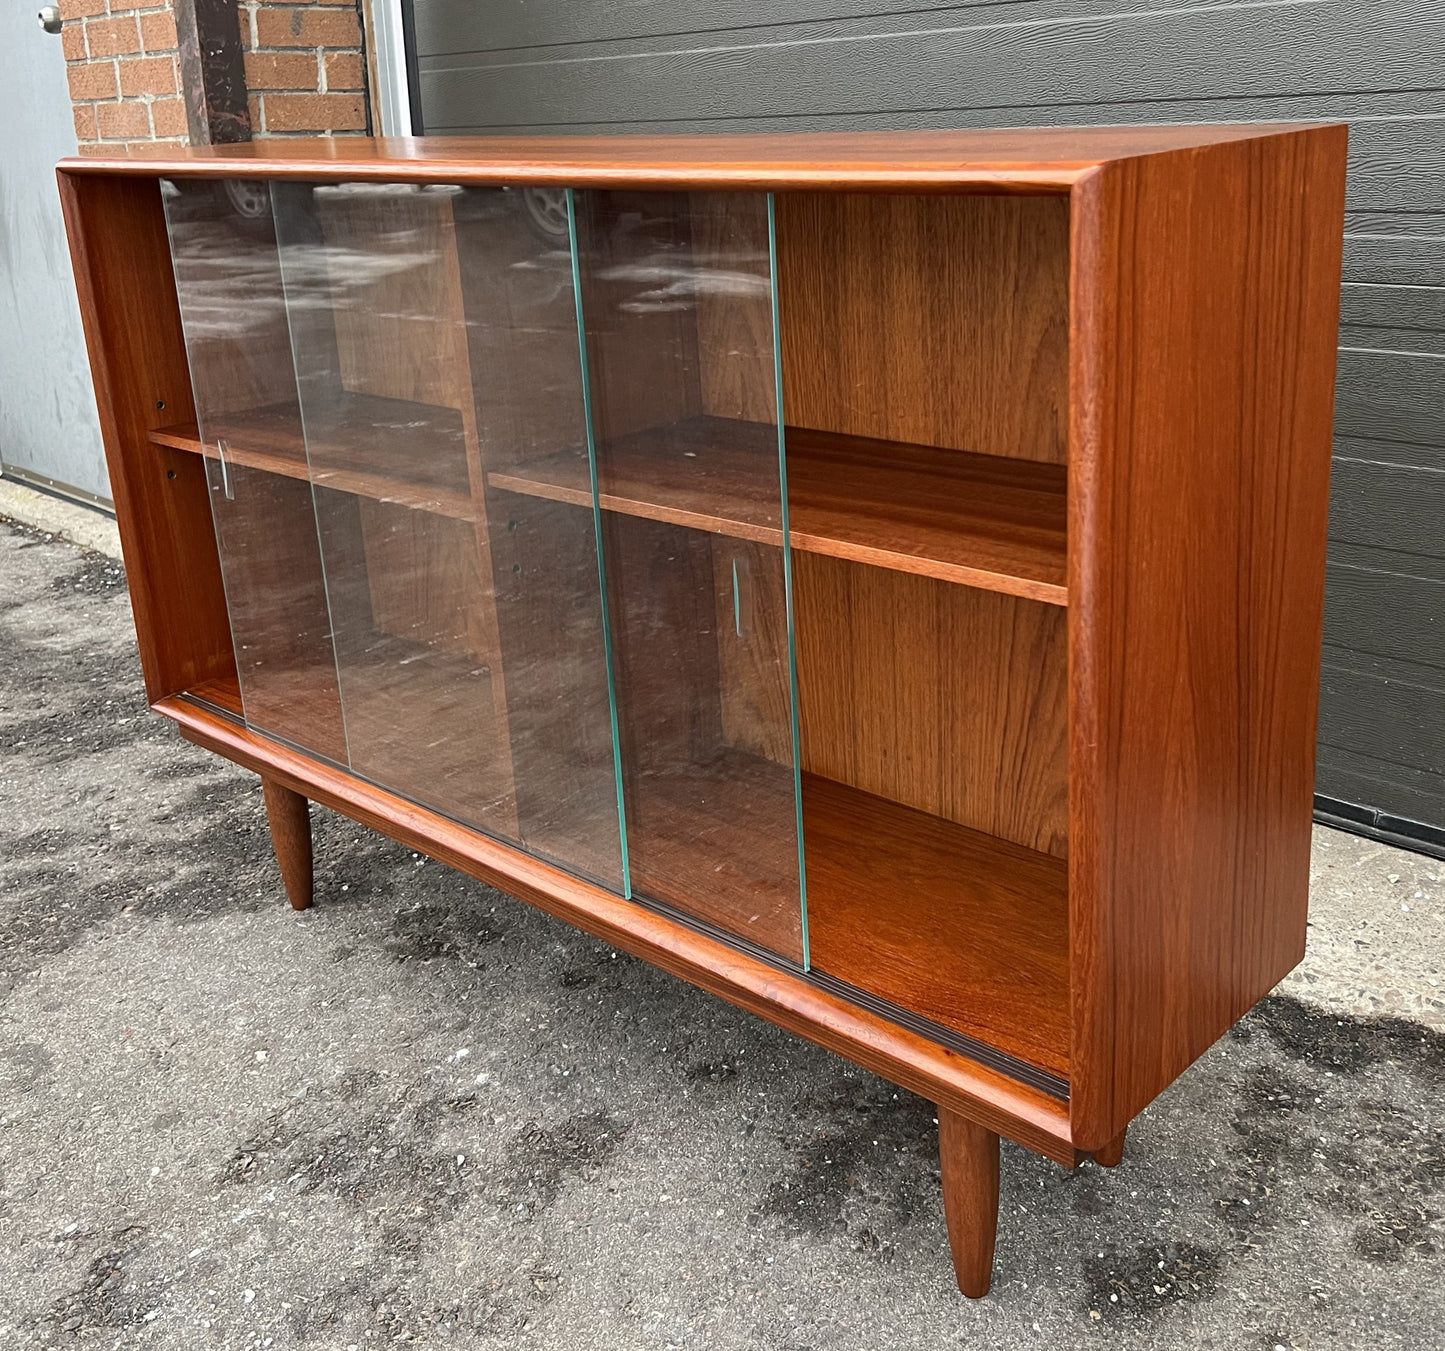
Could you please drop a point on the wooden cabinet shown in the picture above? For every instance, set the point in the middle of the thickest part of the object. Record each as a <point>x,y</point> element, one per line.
<point>877,578</point>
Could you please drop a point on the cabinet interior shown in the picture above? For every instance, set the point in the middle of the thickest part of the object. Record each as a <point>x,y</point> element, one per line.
<point>402,448</point>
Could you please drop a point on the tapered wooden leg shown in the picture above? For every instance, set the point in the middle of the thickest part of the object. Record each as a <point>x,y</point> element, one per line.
<point>969,1155</point>
<point>1112,1154</point>
<point>290,820</point>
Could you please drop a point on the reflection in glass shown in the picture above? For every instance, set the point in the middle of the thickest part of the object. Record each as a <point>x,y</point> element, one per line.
<point>228,282</point>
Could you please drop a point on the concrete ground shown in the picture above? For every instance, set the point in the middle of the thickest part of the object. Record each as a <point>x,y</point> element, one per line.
<point>423,1112</point>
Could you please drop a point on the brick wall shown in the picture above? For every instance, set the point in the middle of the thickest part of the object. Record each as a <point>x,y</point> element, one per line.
<point>124,72</point>
<point>305,69</point>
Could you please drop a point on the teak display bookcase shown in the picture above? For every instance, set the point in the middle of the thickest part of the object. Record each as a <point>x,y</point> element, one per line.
<point>877,578</point>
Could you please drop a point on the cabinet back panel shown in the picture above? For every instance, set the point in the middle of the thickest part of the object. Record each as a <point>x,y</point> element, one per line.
<point>938,320</point>
<point>425,587</point>
<point>521,335</point>
<point>228,273</point>
<point>396,294</point>
<point>642,331</point>
<point>734,307</point>
<point>942,697</point>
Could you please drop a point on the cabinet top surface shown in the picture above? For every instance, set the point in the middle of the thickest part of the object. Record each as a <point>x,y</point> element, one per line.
<point>1031,159</point>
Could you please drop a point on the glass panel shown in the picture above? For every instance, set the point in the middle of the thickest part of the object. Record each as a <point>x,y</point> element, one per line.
<point>435,345</point>
<point>228,281</point>
<point>677,296</point>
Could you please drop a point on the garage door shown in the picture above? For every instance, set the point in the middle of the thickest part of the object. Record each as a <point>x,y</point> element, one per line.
<point>720,65</point>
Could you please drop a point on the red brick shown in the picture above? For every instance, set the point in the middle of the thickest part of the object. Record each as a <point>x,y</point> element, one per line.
<point>85,122</point>
<point>292,27</point>
<point>91,80</point>
<point>281,70</point>
<point>344,71</point>
<point>158,31</point>
<point>72,41</point>
<point>315,112</point>
<point>80,9</point>
<point>148,75</point>
<point>113,37</point>
<point>123,121</point>
<point>168,117</point>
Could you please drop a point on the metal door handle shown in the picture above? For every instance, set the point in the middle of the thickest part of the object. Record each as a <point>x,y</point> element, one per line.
<point>225,471</point>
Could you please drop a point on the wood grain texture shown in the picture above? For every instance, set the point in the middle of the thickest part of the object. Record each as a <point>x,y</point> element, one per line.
<point>985,521</point>
<point>968,1157</point>
<point>1205,310</point>
<point>1025,1115</point>
<point>1035,160</point>
<point>719,841</point>
<point>933,321</point>
<point>961,927</point>
<point>942,697</point>
<point>982,520</point>
<point>122,261</point>
<point>1202,318</point>
<point>290,822</point>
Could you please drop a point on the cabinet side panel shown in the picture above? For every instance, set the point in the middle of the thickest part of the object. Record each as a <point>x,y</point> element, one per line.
<point>1206,292</point>
<point>127,291</point>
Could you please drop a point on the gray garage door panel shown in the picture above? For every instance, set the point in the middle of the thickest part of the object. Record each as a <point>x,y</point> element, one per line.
<point>503,25</point>
<point>1422,342</point>
<point>730,65</point>
<point>1383,786</point>
<point>1015,59</point>
<point>1398,250</point>
<point>1411,735</point>
<point>1381,504</point>
<point>1379,613</point>
<point>1391,396</point>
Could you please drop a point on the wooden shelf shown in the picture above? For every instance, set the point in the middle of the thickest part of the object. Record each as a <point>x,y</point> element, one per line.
<point>962,928</point>
<point>982,520</point>
<point>391,450</point>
